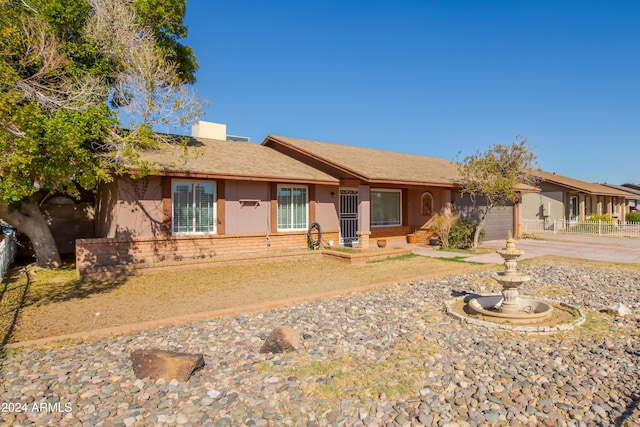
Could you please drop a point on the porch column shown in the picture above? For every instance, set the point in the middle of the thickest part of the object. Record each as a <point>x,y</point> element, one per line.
<point>517,227</point>
<point>364,209</point>
<point>619,207</point>
<point>447,203</point>
<point>581,207</point>
<point>599,209</point>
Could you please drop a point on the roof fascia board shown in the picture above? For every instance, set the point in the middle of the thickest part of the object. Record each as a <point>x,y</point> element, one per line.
<point>583,190</point>
<point>198,175</point>
<point>412,183</point>
<point>573,187</point>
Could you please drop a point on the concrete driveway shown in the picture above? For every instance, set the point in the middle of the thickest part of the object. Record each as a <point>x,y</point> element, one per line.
<point>624,250</point>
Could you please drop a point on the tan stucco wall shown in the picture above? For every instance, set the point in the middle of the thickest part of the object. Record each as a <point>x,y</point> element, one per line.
<point>242,213</point>
<point>327,207</point>
<point>532,204</point>
<point>415,218</point>
<point>138,209</point>
<point>133,208</point>
<point>364,208</point>
<point>105,209</point>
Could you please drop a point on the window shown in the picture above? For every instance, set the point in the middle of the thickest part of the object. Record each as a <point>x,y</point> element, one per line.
<point>292,208</point>
<point>386,208</point>
<point>573,208</point>
<point>426,203</point>
<point>193,207</point>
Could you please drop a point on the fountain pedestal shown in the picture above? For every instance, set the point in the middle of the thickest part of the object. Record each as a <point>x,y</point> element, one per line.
<point>510,306</point>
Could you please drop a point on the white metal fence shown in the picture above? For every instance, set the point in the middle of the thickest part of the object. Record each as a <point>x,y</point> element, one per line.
<point>7,253</point>
<point>587,228</point>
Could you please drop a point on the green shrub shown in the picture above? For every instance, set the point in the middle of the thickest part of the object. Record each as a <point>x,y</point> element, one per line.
<point>633,217</point>
<point>595,224</point>
<point>461,235</point>
<point>599,217</point>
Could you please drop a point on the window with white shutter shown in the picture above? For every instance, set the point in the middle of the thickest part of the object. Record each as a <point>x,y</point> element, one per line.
<point>193,207</point>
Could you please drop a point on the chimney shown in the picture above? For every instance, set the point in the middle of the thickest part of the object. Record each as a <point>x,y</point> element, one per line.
<point>209,130</point>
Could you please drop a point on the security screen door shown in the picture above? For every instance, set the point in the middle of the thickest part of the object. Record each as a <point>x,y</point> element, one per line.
<point>348,216</point>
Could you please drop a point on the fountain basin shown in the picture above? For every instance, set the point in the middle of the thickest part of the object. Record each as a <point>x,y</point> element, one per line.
<point>510,280</point>
<point>529,310</point>
<point>508,254</point>
<point>564,317</point>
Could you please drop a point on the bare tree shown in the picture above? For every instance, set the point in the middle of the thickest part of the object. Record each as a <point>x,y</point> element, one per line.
<point>43,76</point>
<point>147,88</point>
<point>495,175</point>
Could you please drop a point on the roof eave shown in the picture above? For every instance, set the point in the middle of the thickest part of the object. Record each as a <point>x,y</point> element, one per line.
<point>205,175</point>
<point>382,181</point>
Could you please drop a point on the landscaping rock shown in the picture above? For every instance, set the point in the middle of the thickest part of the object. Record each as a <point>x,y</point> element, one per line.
<point>457,373</point>
<point>156,364</point>
<point>280,340</point>
<point>619,309</point>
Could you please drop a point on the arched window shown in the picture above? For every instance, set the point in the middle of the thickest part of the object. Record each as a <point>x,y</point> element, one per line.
<point>427,203</point>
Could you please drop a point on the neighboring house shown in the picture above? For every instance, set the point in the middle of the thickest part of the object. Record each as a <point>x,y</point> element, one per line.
<point>634,204</point>
<point>568,199</point>
<point>229,198</point>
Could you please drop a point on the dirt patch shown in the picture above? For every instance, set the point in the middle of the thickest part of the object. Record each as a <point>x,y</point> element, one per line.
<point>39,303</point>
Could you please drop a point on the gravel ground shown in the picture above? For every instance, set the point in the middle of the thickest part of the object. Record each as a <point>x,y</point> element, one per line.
<point>388,357</point>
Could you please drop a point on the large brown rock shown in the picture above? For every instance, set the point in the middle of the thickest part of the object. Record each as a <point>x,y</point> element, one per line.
<point>281,339</point>
<point>155,364</point>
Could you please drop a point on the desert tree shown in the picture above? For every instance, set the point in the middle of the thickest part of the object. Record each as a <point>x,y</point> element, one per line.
<point>494,176</point>
<point>69,69</point>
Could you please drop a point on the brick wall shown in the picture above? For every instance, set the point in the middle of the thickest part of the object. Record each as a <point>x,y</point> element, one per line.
<point>390,232</point>
<point>399,233</point>
<point>100,258</point>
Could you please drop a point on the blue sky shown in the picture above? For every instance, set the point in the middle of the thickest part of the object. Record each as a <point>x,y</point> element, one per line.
<point>435,78</point>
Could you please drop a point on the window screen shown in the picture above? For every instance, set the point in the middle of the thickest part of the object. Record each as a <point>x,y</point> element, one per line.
<point>193,205</point>
<point>292,208</point>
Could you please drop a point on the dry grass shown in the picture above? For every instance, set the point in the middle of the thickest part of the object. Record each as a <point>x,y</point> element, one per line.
<point>43,303</point>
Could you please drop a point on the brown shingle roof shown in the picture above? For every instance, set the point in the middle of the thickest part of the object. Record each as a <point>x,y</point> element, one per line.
<point>372,165</point>
<point>210,158</point>
<point>576,184</point>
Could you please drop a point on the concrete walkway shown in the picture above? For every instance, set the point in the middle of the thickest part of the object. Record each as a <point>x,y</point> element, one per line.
<point>624,250</point>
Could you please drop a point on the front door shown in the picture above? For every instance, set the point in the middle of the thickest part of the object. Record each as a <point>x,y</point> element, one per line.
<point>348,216</point>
